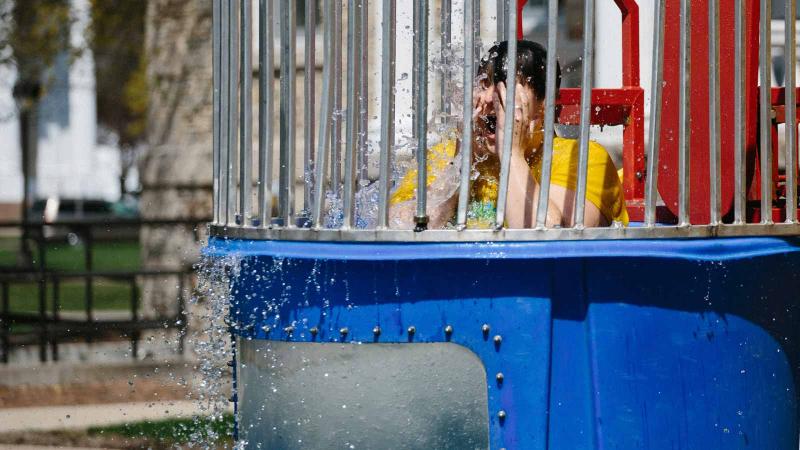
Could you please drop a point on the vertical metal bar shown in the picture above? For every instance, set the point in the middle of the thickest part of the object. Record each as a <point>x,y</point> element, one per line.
<point>224,110</point>
<point>87,263</point>
<point>586,112</point>
<point>56,315</point>
<point>353,118</point>
<point>336,133</point>
<point>42,282</point>
<point>246,112</point>
<point>216,68</point>
<point>266,88</point>
<point>740,191</point>
<point>388,56</point>
<point>476,23</point>
<point>182,316</point>
<point>134,318</point>
<point>651,186</point>
<point>309,81</point>
<point>363,93</point>
<point>501,24</point>
<point>790,103</point>
<point>414,57</point>
<point>765,116</point>
<point>325,116</point>
<point>5,326</point>
<point>446,18</point>
<point>715,174</point>
<point>466,135</point>
<point>684,130</point>
<point>421,109</point>
<point>549,113</point>
<point>508,126</point>
<point>288,119</point>
<point>233,109</point>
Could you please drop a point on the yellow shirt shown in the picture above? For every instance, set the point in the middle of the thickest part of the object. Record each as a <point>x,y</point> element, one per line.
<point>603,186</point>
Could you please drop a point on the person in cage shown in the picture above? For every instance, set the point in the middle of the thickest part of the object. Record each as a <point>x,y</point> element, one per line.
<point>604,194</point>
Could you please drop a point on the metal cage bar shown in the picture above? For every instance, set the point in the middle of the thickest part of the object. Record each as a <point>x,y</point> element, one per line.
<point>715,145</point>
<point>651,185</point>
<point>233,110</point>
<point>506,142</point>
<point>466,134</point>
<point>288,107</point>
<point>740,144</point>
<point>266,87</point>
<point>446,18</point>
<point>549,113</point>
<point>353,116</point>
<point>325,118</point>
<point>336,132</point>
<point>790,53</point>
<point>216,43</point>
<point>388,56</point>
<point>421,113</point>
<point>684,131</point>
<point>586,113</point>
<point>363,94</point>
<point>309,88</point>
<point>765,111</point>
<point>246,112</point>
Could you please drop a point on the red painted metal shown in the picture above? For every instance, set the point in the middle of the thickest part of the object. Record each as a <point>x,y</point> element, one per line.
<point>520,5</point>
<point>699,142</point>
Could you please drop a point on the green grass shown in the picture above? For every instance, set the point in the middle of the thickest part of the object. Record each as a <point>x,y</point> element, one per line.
<point>61,257</point>
<point>175,431</point>
<point>109,295</point>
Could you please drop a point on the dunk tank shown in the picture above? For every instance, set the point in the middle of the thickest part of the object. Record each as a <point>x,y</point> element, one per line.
<point>677,331</point>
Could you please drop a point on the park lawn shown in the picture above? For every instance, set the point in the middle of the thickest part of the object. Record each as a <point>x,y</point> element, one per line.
<point>107,256</point>
<point>107,295</point>
<point>61,257</point>
<point>173,431</point>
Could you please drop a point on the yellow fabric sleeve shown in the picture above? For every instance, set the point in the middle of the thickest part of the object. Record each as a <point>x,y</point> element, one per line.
<point>438,157</point>
<point>603,186</point>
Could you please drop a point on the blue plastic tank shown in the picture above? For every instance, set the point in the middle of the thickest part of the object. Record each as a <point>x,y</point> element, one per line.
<point>636,344</point>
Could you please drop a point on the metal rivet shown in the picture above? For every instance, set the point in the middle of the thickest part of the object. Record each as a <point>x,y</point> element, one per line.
<point>485,329</point>
<point>231,363</point>
<point>497,339</point>
<point>314,331</point>
<point>639,175</point>
<point>343,331</point>
<point>376,331</point>
<point>412,329</point>
<point>448,330</point>
<point>499,377</point>
<point>501,415</point>
<point>289,330</point>
<point>266,329</point>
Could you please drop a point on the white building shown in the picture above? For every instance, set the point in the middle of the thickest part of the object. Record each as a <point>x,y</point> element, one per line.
<point>70,162</point>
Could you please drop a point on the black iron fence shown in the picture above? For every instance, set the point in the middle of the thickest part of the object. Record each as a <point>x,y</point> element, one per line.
<point>31,282</point>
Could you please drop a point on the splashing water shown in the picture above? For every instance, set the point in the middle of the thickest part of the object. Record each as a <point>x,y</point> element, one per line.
<point>211,342</point>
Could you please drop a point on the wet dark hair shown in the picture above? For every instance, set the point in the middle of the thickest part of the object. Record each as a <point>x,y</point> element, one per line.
<point>531,66</point>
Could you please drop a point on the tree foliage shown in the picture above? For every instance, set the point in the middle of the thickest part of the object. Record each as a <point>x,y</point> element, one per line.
<point>116,36</point>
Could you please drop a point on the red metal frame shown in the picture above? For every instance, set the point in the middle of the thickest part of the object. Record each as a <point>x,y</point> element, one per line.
<point>619,106</point>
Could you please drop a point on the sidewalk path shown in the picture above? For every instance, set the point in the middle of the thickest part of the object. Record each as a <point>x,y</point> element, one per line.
<point>81,417</point>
